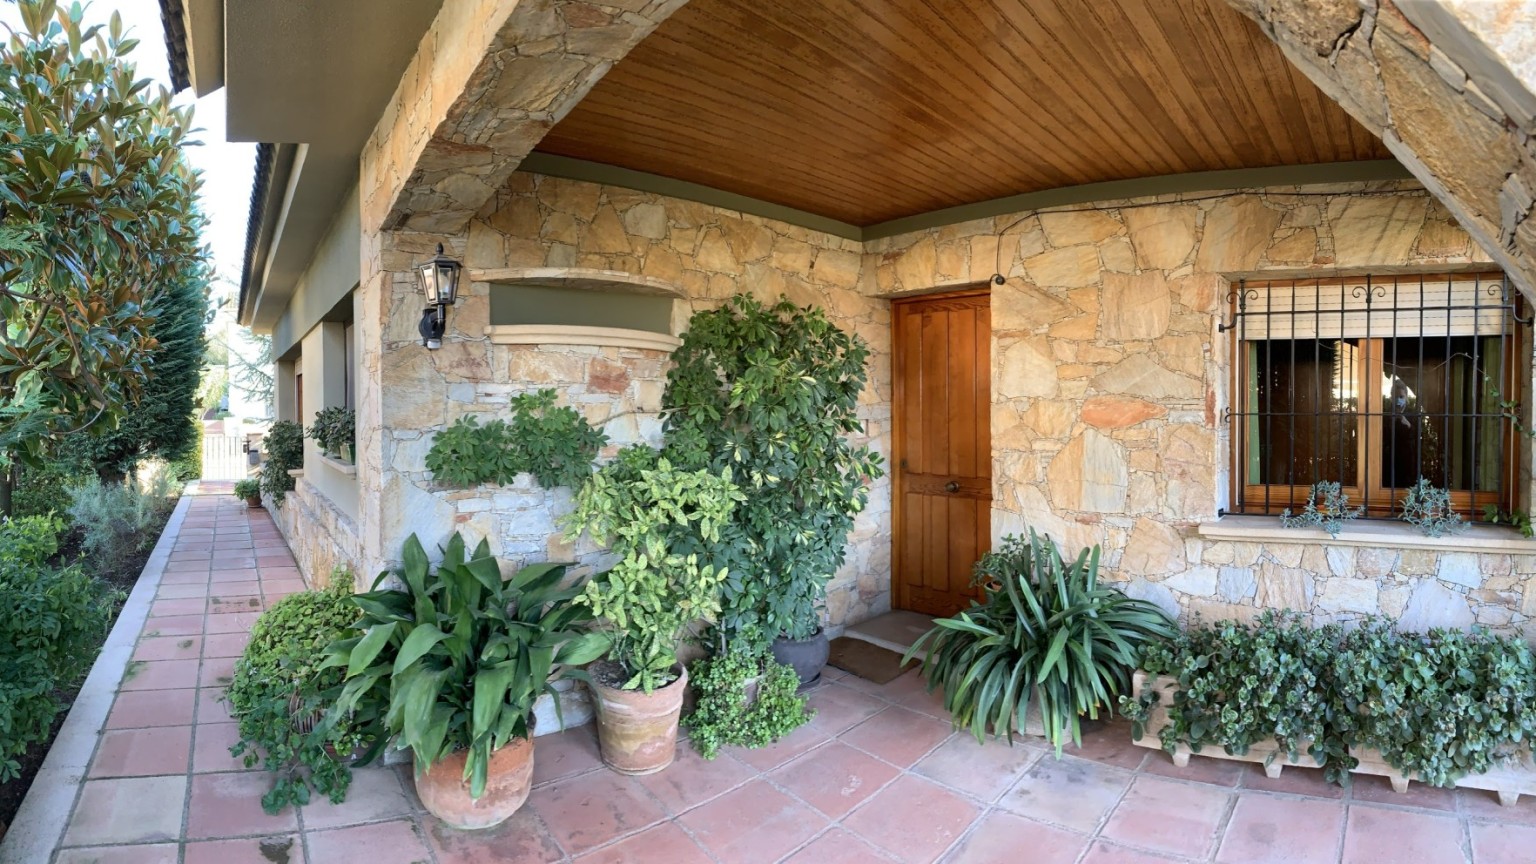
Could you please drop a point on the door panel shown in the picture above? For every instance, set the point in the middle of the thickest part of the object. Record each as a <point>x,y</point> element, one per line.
<point>943,459</point>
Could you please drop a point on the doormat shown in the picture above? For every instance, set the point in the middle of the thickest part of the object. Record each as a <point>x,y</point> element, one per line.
<point>868,661</point>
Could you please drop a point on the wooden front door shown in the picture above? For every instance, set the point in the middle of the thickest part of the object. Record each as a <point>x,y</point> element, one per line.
<point>942,424</point>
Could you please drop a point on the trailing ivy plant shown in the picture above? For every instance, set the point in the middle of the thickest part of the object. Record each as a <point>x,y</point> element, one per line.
<point>1047,633</point>
<point>1330,517</point>
<point>276,696</point>
<point>554,443</point>
<point>1428,508</point>
<point>284,444</point>
<point>771,393</point>
<point>721,713</point>
<point>1517,519</point>
<point>333,430</point>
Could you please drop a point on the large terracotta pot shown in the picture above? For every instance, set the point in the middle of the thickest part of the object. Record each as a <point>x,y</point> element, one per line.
<point>806,656</point>
<point>445,792</point>
<point>638,730</point>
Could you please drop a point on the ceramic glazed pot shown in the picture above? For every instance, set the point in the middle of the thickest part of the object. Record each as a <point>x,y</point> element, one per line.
<point>637,730</point>
<point>445,792</point>
<point>805,656</point>
<point>253,502</point>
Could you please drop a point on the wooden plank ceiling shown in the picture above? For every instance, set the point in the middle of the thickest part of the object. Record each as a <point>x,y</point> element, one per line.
<point>868,110</point>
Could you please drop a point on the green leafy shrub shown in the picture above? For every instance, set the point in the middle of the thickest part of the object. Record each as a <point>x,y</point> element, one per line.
<point>1330,517</point>
<point>44,488</point>
<point>1428,508</point>
<point>651,515</point>
<point>554,443</point>
<point>119,520</point>
<point>333,429</point>
<point>1044,630</point>
<point>52,623</point>
<point>721,714</point>
<point>457,660</point>
<point>1244,684</point>
<point>771,393</point>
<point>284,444</point>
<point>278,689</point>
<point>248,488</point>
<point>1437,706</point>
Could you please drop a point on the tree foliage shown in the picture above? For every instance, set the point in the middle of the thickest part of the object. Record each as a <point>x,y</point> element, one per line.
<point>97,209</point>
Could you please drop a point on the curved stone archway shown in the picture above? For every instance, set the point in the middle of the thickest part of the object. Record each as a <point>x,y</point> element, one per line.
<point>1450,88</point>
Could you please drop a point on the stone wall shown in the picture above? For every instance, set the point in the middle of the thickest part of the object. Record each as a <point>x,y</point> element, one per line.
<point>1109,384</point>
<point>321,537</point>
<point>708,254</point>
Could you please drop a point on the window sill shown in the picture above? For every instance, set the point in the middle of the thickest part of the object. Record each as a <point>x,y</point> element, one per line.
<point>339,466</point>
<point>295,472</point>
<point>1266,529</point>
<point>565,334</point>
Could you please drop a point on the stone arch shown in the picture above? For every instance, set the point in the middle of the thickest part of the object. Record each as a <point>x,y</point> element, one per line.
<point>1448,86</point>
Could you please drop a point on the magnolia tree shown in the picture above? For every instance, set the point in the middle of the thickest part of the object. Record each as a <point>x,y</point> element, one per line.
<point>97,211</point>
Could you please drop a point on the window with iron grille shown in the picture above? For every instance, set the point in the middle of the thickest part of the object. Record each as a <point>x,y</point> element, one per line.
<point>1373,382</point>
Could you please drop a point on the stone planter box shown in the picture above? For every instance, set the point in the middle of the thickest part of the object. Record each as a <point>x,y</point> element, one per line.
<point>1266,753</point>
<point>1509,782</point>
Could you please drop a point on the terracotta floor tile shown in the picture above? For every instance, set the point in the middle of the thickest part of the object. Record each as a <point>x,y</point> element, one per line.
<point>1109,743</point>
<point>269,573</point>
<point>174,625</point>
<point>375,795</point>
<point>398,842</point>
<point>168,648</point>
<point>212,707</point>
<point>1201,769</point>
<point>1503,844</point>
<point>594,809</point>
<point>984,771</point>
<point>181,590</point>
<point>197,578</point>
<point>222,602</point>
<point>1377,835</point>
<point>1000,835</point>
<point>780,751</point>
<point>1292,781</point>
<point>276,589</point>
<point>1482,804</point>
<point>690,780</point>
<point>229,805</point>
<point>838,708</point>
<point>210,752</point>
<point>1104,852</point>
<point>128,810</point>
<point>159,853</point>
<point>1167,816</point>
<point>231,622</point>
<point>142,752</point>
<point>1378,790</point>
<point>216,672</point>
<point>243,588</point>
<point>664,844</point>
<point>753,824</point>
<point>523,839</point>
<point>834,779</point>
<point>841,846</point>
<point>231,562</point>
<point>225,644</point>
<point>141,708</point>
<point>1096,789</point>
<point>169,607</point>
<point>898,735</point>
<point>285,849</point>
<point>1266,829</point>
<point>221,577</point>
<point>565,754</point>
<point>913,819</point>
<point>160,675</point>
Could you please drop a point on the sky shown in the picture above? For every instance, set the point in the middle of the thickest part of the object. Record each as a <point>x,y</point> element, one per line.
<point>226,167</point>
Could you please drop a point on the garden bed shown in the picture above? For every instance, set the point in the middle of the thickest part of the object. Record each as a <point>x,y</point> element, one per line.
<point>122,576</point>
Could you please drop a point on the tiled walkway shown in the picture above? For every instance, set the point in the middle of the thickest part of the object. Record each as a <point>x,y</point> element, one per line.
<point>877,777</point>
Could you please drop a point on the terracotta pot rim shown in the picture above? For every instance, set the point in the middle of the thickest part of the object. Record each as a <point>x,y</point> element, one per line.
<point>682,676</point>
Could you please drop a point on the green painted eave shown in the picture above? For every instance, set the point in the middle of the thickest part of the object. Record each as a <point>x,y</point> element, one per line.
<point>1066,196</point>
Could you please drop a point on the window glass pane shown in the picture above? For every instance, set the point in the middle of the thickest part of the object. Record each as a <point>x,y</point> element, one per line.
<point>1432,391</point>
<point>1303,395</point>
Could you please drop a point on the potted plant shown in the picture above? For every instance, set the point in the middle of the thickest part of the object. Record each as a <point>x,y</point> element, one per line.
<point>1045,633</point>
<point>249,491</point>
<point>333,430</point>
<point>451,667</point>
<point>652,516</point>
<point>772,392</point>
<point>284,444</point>
<point>745,700</point>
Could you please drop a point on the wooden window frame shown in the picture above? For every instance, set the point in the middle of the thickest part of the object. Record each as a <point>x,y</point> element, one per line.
<point>1381,501</point>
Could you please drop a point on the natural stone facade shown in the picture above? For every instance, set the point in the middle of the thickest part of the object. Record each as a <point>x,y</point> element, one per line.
<point>1447,86</point>
<point>321,537</point>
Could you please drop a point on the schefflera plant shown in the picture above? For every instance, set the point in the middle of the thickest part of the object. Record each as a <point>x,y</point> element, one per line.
<point>457,659</point>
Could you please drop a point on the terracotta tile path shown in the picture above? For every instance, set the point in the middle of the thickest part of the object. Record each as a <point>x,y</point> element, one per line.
<point>878,776</point>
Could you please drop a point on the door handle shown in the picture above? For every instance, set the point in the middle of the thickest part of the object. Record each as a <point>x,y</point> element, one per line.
<point>952,487</point>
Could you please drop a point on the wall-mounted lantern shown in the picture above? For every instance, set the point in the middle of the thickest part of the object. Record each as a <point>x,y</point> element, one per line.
<point>439,280</point>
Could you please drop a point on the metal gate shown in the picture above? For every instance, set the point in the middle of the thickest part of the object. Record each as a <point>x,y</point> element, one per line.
<point>224,457</point>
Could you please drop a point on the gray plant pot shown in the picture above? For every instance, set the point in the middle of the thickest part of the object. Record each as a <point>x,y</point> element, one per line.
<point>806,656</point>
